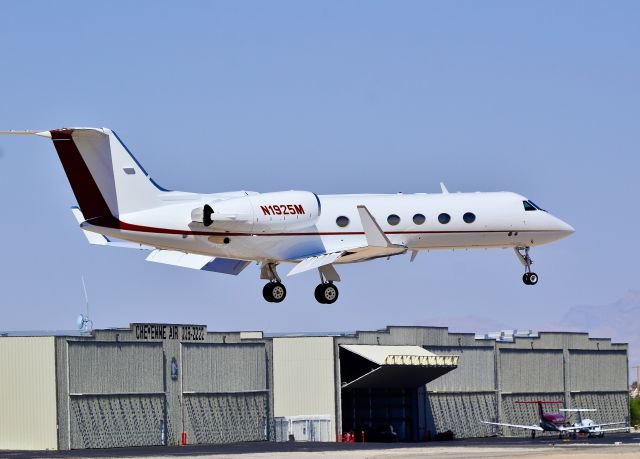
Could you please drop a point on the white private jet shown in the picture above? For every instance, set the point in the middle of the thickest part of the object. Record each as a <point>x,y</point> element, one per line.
<point>225,232</point>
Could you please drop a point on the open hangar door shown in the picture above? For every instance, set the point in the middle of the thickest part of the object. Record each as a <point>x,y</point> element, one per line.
<point>382,389</point>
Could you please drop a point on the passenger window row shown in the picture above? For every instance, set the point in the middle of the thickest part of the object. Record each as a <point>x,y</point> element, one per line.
<point>418,219</point>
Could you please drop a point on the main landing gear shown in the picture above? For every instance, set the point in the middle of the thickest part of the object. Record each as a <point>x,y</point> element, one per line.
<point>326,292</point>
<point>273,291</point>
<point>529,277</point>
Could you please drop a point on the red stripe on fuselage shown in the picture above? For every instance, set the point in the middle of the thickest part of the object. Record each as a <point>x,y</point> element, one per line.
<point>114,223</point>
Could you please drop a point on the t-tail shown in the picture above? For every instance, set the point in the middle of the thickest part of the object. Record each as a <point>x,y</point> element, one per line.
<point>541,412</point>
<point>106,179</point>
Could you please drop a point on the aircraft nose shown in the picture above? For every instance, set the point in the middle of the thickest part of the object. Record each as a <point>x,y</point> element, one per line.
<point>563,227</point>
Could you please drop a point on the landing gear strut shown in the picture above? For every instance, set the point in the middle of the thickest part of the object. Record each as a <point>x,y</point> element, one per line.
<point>529,277</point>
<point>273,291</point>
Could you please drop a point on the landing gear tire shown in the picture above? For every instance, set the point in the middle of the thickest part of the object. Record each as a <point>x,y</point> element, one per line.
<point>530,278</point>
<point>274,292</point>
<point>326,293</point>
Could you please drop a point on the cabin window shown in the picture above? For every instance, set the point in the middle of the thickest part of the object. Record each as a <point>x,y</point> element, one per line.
<point>342,221</point>
<point>444,218</point>
<point>419,219</point>
<point>469,217</point>
<point>528,206</point>
<point>393,219</point>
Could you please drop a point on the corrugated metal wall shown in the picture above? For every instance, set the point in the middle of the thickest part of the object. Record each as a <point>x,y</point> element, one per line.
<point>224,367</point>
<point>610,406</point>
<point>531,370</point>
<point>475,372</point>
<point>28,393</point>
<point>224,418</point>
<point>598,370</point>
<point>116,394</point>
<point>116,420</point>
<point>108,367</point>
<point>460,413</point>
<point>226,395</point>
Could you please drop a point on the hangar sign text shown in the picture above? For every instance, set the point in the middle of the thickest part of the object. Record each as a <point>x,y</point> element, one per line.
<point>148,332</point>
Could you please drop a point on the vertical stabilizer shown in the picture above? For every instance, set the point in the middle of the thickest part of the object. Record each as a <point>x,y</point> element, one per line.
<point>104,176</point>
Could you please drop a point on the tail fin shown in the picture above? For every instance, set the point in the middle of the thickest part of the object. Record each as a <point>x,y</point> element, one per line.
<point>105,177</point>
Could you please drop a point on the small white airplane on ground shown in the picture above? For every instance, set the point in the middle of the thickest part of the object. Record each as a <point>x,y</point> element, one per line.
<point>557,422</point>
<point>225,232</point>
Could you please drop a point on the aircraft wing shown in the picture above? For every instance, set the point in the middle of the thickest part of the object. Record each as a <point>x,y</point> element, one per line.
<point>536,428</point>
<point>615,429</point>
<point>593,426</point>
<point>377,245</point>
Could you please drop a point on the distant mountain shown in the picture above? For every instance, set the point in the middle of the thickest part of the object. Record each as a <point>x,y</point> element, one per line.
<point>619,321</point>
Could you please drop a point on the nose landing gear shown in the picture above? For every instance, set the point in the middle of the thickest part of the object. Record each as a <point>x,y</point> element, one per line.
<point>529,277</point>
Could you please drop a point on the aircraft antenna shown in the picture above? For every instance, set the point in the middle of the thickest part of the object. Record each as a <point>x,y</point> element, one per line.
<point>85,324</point>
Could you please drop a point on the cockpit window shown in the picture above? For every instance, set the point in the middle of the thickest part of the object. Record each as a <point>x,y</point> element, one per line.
<point>528,205</point>
<point>536,206</point>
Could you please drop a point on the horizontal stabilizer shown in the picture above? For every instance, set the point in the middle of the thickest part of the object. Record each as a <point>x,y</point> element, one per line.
<point>93,238</point>
<point>38,133</point>
<point>315,262</point>
<point>99,239</point>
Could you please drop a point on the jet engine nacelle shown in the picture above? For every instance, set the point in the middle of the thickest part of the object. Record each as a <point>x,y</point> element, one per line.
<point>260,213</point>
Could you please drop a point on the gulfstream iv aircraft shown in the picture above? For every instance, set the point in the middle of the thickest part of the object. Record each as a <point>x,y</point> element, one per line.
<point>225,232</point>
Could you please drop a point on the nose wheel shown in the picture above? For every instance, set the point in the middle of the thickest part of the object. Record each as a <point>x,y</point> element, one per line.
<point>326,293</point>
<point>529,277</point>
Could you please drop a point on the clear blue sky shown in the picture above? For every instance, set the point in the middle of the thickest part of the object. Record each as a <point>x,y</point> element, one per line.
<point>541,98</point>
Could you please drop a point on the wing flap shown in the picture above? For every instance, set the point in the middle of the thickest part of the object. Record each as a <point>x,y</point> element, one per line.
<point>226,266</point>
<point>182,259</point>
<point>315,262</point>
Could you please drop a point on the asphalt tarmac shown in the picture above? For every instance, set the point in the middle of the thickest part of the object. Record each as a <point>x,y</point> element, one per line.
<point>611,446</point>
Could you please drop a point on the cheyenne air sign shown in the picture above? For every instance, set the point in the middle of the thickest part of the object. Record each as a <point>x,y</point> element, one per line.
<point>154,332</point>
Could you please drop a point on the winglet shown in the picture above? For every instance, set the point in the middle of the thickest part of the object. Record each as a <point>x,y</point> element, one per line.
<point>443,188</point>
<point>372,231</point>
